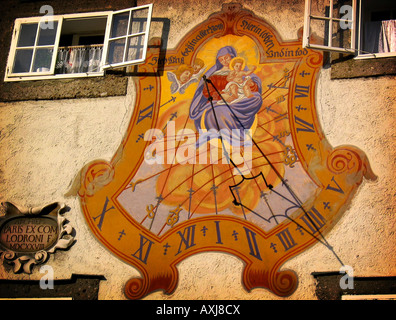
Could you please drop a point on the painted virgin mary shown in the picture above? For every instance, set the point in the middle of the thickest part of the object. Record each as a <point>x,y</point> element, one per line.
<point>235,115</point>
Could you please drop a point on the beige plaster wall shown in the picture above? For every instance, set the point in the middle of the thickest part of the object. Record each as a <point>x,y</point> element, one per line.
<point>45,143</point>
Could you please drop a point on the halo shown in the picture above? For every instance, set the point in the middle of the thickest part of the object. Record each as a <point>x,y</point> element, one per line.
<point>244,45</point>
<point>238,58</point>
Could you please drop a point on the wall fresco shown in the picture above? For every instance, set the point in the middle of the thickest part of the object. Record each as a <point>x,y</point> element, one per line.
<point>224,152</point>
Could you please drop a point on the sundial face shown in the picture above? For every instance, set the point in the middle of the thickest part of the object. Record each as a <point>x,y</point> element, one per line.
<point>224,152</point>
<point>189,175</point>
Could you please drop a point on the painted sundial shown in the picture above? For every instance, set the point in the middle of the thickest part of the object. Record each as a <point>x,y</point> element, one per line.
<point>223,152</point>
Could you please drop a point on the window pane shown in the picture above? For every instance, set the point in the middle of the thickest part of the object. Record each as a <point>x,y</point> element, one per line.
<point>319,32</point>
<point>321,9</point>
<point>341,36</point>
<point>139,19</point>
<point>42,60</point>
<point>27,35</point>
<point>135,48</point>
<point>22,60</point>
<point>120,25</point>
<point>342,9</point>
<point>47,36</point>
<point>116,51</point>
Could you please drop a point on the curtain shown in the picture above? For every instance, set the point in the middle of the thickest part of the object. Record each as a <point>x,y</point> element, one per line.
<point>387,38</point>
<point>380,36</point>
<point>79,59</point>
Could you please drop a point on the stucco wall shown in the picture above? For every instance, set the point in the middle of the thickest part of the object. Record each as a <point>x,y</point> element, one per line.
<point>44,144</point>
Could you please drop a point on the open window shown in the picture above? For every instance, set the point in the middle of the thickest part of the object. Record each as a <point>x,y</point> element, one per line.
<point>78,45</point>
<point>377,29</point>
<point>81,44</point>
<point>363,28</point>
<point>333,28</point>
<point>127,37</point>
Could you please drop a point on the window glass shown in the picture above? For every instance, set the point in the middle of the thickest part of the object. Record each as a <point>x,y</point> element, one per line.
<point>42,60</point>
<point>27,35</point>
<point>139,21</point>
<point>116,51</point>
<point>120,24</point>
<point>23,58</point>
<point>47,36</point>
<point>135,48</point>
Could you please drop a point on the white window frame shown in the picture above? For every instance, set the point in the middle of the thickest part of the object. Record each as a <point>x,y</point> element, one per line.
<point>144,33</point>
<point>356,32</point>
<point>14,47</point>
<point>9,76</point>
<point>329,47</point>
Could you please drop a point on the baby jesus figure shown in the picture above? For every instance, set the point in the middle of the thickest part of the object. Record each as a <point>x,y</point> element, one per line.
<point>239,82</point>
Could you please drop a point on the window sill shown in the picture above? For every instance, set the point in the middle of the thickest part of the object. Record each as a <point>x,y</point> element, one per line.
<point>65,88</point>
<point>347,67</point>
<point>328,286</point>
<point>58,76</point>
<point>375,55</point>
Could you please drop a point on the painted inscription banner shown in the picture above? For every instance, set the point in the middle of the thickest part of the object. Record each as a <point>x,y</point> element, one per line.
<point>224,152</point>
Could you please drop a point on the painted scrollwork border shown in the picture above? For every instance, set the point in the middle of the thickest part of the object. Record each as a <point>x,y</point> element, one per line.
<point>24,261</point>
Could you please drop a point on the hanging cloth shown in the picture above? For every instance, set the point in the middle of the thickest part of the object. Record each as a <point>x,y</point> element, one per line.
<point>387,38</point>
